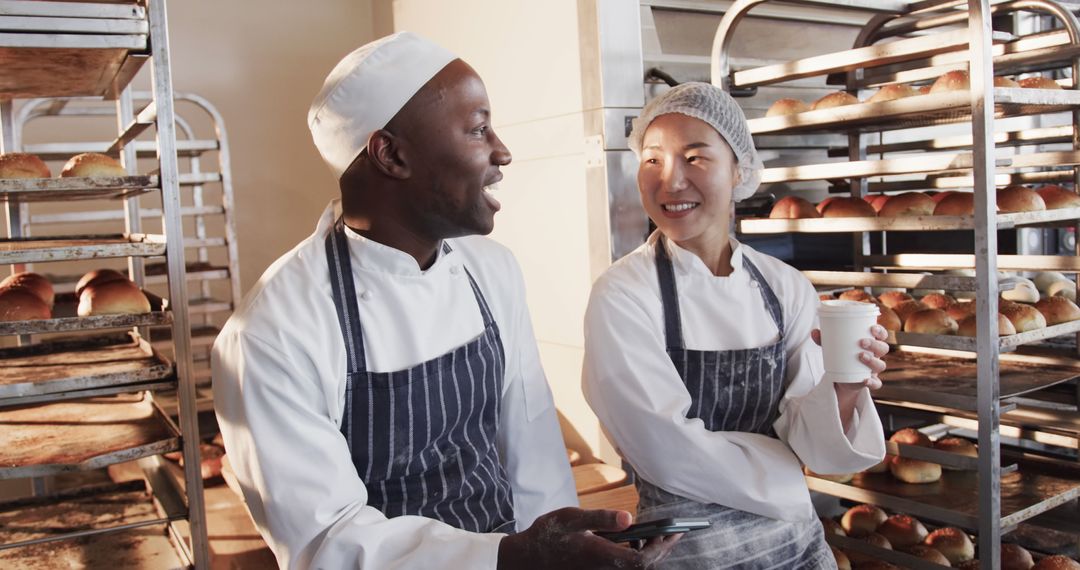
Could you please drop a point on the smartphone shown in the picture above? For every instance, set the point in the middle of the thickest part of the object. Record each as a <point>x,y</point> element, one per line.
<point>660,527</point>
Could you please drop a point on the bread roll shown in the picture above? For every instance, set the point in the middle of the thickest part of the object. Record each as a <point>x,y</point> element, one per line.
<point>877,201</point>
<point>1024,317</point>
<point>1057,562</point>
<point>929,554</point>
<point>113,298</point>
<point>23,165</point>
<point>848,208</point>
<point>857,295</point>
<point>938,301</point>
<point>881,467</point>
<point>893,298</point>
<point>908,204</point>
<point>1018,198</point>
<point>888,319</point>
<point>951,81</point>
<point>911,436</point>
<point>1043,279</point>
<point>98,276</point>
<point>1015,557</point>
<point>861,520</point>
<point>961,310</point>
<point>21,304</point>
<point>925,89</point>
<point>832,527</point>
<point>1023,290</point>
<point>968,326</point>
<point>1002,81</point>
<point>937,197</point>
<point>1055,197</point>
<point>842,561</point>
<point>835,99</point>
<point>892,92</point>
<point>957,445</point>
<point>33,282</point>
<point>1058,310</point>
<point>907,308</point>
<point>820,206</point>
<point>786,107</point>
<point>1039,82</point>
<point>825,297</point>
<point>1064,288</point>
<point>793,207</point>
<point>956,204</point>
<point>931,321</point>
<point>915,471</point>
<point>866,561</point>
<point>92,164</point>
<point>953,543</point>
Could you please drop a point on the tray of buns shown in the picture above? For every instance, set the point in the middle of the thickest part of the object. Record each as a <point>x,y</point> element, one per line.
<point>78,435</point>
<point>96,188</point>
<point>67,366</point>
<point>65,318</point>
<point>68,248</point>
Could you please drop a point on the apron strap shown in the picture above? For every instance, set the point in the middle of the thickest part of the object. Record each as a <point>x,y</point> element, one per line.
<point>344,291</point>
<point>485,310</point>
<point>669,297</point>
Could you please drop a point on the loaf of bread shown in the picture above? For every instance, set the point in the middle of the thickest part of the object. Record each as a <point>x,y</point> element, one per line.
<point>956,204</point>
<point>23,165</point>
<point>1055,197</point>
<point>1058,310</point>
<point>892,92</point>
<point>861,520</point>
<point>938,301</point>
<point>848,208</point>
<point>793,207</point>
<point>907,308</point>
<point>92,164</point>
<point>968,326</point>
<point>112,298</point>
<point>1018,198</point>
<point>1014,557</point>
<point>908,204</point>
<point>931,321</point>
<point>1024,317</point>
<point>1039,82</point>
<point>877,201</point>
<point>98,276</point>
<point>915,471</point>
<point>911,436</point>
<point>951,81</point>
<point>1057,562</point>
<point>33,282</point>
<point>888,319</point>
<point>835,99</point>
<point>21,304</point>
<point>957,445</point>
<point>1002,81</point>
<point>856,295</point>
<point>786,107</point>
<point>953,543</point>
<point>893,298</point>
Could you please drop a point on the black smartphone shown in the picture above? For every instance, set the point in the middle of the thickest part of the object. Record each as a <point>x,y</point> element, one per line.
<point>660,527</point>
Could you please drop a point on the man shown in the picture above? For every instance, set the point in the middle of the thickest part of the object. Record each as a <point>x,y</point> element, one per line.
<point>379,390</point>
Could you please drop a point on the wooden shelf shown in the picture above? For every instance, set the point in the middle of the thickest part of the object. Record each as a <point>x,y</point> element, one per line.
<point>53,189</point>
<point>65,318</point>
<point>69,248</point>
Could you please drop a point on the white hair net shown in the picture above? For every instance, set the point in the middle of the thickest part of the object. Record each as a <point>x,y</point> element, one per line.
<point>714,106</point>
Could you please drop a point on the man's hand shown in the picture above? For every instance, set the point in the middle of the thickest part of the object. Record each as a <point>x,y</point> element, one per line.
<point>563,539</point>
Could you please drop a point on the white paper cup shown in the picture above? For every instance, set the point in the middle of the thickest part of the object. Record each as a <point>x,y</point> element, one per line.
<point>843,325</point>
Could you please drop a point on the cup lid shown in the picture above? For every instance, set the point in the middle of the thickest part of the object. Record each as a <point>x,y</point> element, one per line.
<point>848,308</point>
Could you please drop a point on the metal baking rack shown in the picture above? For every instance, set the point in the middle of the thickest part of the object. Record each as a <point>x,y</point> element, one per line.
<point>84,403</point>
<point>955,381</point>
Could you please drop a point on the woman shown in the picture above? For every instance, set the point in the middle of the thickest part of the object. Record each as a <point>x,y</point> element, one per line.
<point>699,359</point>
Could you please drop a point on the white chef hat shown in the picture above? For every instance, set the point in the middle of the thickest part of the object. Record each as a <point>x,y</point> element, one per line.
<point>366,89</point>
<point>714,106</point>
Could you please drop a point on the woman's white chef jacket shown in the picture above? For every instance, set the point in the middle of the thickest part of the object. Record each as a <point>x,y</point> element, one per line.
<point>279,389</point>
<point>641,402</point>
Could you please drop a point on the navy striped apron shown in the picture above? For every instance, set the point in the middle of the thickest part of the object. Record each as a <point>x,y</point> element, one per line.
<point>423,439</point>
<point>730,390</point>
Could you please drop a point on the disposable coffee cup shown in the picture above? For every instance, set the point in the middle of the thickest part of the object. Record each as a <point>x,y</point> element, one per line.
<point>843,325</point>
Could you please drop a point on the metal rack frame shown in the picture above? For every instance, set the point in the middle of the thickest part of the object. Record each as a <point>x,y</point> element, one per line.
<point>979,106</point>
<point>113,40</point>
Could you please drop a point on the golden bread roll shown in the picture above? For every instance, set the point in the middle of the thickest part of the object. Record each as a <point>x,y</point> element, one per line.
<point>931,321</point>
<point>787,107</point>
<point>1024,317</point>
<point>1015,557</point>
<point>98,276</point>
<point>915,471</point>
<point>957,445</point>
<point>951,81</point>
<point>961,310</point>
<point>33,282</point>
<point>892,92</point>
<point>861,520</point>
<point>911,436</point>
<point>842,561</point>
<point>848,208</point>
<point>23,165</point>
<point>825,297</point>
<point>930,554</point>
<point>956,204</point>
<point>835,99</point>
<point>113,298</point>
<point>969,326</point>
<point>938,301</point>
<point>939,196</point>
<point>1002,81</point>
<point>1055,197</point>
<point>820,207</point>
<point>1057,562</point>
<point>953,543</point>
<point>907,308</point>
<point>866,561</point>
<point>832,527</point>
<point>888,319</point>
<point>893,298</point>
<point>835,478</point>
<point>1064,288</point>
<point>92,164</point>
<point>856,295</point>
<point>793,207</point>
<point>908,204</point>
<point>1018,198</point>
<point>1039,82</point>
<point>1058,310</point>
<point>878,201</point>
<point>21,304</point>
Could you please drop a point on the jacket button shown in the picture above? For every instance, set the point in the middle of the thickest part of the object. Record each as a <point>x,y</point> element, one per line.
<point>366,295</point>
<point>455,269</point>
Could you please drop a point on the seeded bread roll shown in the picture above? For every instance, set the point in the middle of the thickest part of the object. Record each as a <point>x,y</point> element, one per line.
<point>968,326</point>
<point>907,308</point>
<point>914,471</point>
<point>1039,82</point>
<point>893,298</point>
<point>848,208</point>
<point>21,304</point>
<point>888,319</point>
<point>953,543</point>
<point>911,436</point>
<point>1024,317</point>
<point>787,107</point>
<point>92,164</point>
<point>956,204</point>
<point>861,520</point>
<point>931,321</point>
<point>1018,198</point>
<point>856,295</point>
<point>793,207</point>
<point>961,310</point>
<point>98,276</point>
<point>929,554</point>
<point>22,165</point>
<point>908,204</point>
<point>862,561</point>
<point>1058,310</point>
<point>892,92</point>
<point>1057,562</point>
<point>956,445</point>
<point>33,282</point>
<point>835,99</point>
<point>1055,197</point>
<point>951,81</point>
<point>938,301</point>
<point>113,298</point>
<point>1002,81</point>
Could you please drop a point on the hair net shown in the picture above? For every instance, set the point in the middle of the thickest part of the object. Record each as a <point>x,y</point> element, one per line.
<point>710,104</point>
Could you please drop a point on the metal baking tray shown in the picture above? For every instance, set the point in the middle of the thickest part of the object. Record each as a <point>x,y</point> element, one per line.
<point>1033,137</point>
<point>65,318</point>
<point>82,434</point>
<point>928,261</point>
<point>51,189</point>
<point>64,366</point>
<point>951,381</point>
<point>908,224</point>
<point>68,248</point>
<point>70,65</point>
<point>917,111</point>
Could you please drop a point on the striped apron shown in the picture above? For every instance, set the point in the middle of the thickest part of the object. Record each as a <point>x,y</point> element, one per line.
<point>423,439</point>
<point>730,390</point>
